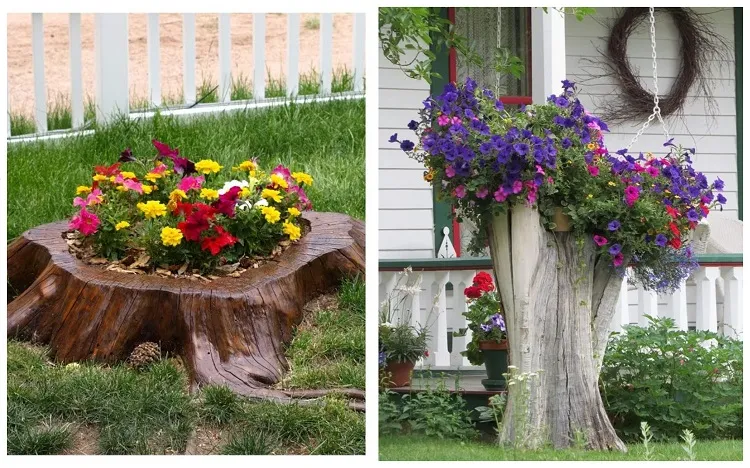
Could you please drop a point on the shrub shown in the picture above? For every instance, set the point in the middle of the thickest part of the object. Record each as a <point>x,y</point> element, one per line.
<point>675,380</point>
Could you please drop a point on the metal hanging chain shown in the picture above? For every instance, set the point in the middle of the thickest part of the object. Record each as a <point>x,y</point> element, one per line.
<point>656,114</point>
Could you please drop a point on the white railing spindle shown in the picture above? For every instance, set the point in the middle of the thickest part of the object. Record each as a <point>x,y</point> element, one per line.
<point>732,301</point>
<point>40,90</point>
<point>647,305</point>
<point>326,52</point>
<point>442,356</point>
<point>154,58</point>
<point>677,307</point>
<point>292,55</point>
<point>705,298</point>
<point>111,51</point>
<point>188,58</point>
<point>225,58</point>
<point>459,308</point>
<point>359,52</point>
<point>416,301</point>
<point>76,79</point>
<point>259,56</point>
<point>622,308</point>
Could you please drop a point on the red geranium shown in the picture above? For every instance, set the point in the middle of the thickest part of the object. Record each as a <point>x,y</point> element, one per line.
<point>673,212</point>
<point>675,242</point>
<point>675,230</point>
<point>472,292</point>
<point>484,281</point>
<point>219,241</point>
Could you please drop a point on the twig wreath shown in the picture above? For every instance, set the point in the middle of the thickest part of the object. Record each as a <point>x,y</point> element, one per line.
<point>699,44</point>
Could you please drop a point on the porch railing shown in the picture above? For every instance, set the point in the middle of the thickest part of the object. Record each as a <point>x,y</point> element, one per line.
<point>711,299</point>
<point>111,62</point>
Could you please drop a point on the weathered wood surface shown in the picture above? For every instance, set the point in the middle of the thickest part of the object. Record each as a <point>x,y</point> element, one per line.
<point>230,331</point>
<point>558,304</point>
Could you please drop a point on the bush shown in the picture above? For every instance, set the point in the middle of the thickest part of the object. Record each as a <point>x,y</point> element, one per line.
<point>675,380</point>
<point>433,412</point>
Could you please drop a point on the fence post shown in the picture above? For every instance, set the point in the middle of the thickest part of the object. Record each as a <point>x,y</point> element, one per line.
<point>733,311</point>
<point>188,58</point>
<point>76,80</point>
<point>292,55</point>
<point>40,90</point>
<point>259,56</point>
<point>111,51</point>
<point>225,57</point>
<point>705,298</point>
<point>359,52</point>
<point>154,59</point>
<point>326,52</point>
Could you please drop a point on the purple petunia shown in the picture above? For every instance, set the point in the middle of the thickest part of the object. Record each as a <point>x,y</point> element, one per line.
<point>615,249</point>
<point>393,138</point>
<point>407,145</point>
<point>613,225</point>
<point>661,240</point>
<point>566,143</point>
<point>719,184</point>
<point>692,215</point>
<point>413,125</point>
<point>721,199</point>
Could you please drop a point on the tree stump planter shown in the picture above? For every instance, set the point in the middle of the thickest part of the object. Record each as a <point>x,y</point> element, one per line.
<point>559,301</point>
<point>230,331</point>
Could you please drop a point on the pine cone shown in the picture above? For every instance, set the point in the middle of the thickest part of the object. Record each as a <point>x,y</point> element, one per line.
<point>144,354</point>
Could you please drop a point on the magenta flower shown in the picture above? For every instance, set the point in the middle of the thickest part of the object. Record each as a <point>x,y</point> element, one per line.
<point>652,171</point>
<point>461,191</point>
<point>600,240</point>
<point>284,172</point>
<point>593,170</point>
<point>482,193</point>
<point>444,120</point>
<point>517,186</point>
<point>450,172</point>
<point>92,199</point>
<point>617,260</point>
<point>500,195</point>
<point>85,222</point>
<point>191,183</point>
<point>631,195</point>
<point>131,184</point>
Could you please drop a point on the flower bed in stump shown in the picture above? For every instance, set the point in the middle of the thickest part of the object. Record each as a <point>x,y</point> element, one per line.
<point>216,271</point>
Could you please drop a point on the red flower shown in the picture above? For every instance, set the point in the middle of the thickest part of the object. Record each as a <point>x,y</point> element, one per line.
<point>226,202</point>
<point>472,292</point>
<point>675,230</point>
<point>197,221</point>
<point>218,242</point>
<point>483,281</point>
<point>426,353</point>
<point>704,209</point>
<point>673,212</point>
<point>108,170</point>
<point>675,242</point>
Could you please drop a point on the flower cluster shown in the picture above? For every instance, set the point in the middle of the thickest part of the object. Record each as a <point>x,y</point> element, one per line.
<point>483,316</point>
<point>637,210</point>
<point>184,212</point>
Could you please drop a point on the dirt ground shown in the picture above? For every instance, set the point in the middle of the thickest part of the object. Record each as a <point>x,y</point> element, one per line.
<point>57,65</point>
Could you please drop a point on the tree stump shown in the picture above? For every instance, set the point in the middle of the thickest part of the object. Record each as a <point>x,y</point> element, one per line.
<point>230,331</point>
<point>559,300</point>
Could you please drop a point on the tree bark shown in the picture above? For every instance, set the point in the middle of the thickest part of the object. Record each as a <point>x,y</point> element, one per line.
<point>558,303</point>
<point>230,331</point>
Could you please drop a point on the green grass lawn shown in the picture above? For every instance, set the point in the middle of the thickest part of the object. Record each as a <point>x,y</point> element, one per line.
<point>412,448</point>
<point>92,408</point>
<point>323,139</point>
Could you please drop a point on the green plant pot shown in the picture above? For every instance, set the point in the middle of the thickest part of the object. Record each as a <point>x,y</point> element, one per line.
<point>495,364</point>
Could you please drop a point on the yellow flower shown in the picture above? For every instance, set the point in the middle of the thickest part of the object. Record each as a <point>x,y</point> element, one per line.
<point>274,195</point>
<point>247,166</point>
<point>293,231</point>
<point>100,178</point>
<point>209,194</point>
<point>611,183</point>
<point>147,189</point>
<point>153,176</point>
<point>122,188</point>
<point>272,214</point>
<point>590,196</point>
<point>177,195</point>
<point>591,146</point>
<point>122,225</point>
<point>82,189</point>
<point>127,175</point>
<point>302,178</point>
<point>206,166</point>
<point>279,181</point>
<point>112,179</point>
<point>171,236</point>
<point>245,192</point>
<point>293,211</point>
<point>152,209</point>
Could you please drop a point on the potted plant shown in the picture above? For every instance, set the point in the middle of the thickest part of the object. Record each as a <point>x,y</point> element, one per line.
<point>489,340</point>
<point>401,346</point>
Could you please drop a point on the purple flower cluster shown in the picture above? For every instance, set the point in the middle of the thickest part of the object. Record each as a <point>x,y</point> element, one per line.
<point>495,322</point>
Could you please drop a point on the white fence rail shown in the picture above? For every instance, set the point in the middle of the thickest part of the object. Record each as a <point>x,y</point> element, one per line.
<point>111,52</point>
<point>710,300</point>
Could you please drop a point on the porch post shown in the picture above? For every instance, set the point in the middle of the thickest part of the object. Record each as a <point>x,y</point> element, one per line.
<point>111,51</point>
<point>547,53</point>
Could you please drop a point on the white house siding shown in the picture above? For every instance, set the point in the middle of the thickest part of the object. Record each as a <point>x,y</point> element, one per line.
<point>405,211</point>
<point>404,198</point>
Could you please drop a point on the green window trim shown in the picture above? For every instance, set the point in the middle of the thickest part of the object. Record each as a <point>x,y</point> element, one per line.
<point>738,100</point>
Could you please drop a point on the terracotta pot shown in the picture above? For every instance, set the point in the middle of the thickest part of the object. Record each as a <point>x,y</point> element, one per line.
<point>495,364</point>
<point>561,220</point>
<point>399,373</point>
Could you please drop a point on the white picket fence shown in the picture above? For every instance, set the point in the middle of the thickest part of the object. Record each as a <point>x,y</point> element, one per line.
<point>696,305</point>
<point>111,62</point>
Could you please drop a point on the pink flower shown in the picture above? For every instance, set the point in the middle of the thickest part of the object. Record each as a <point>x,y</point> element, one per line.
<point>160,168</point>
<point>617,260</point>
<point>482,193</point>
<point>444,120</point>
<point>600,240</point>
<point>639,168</point>
<point>631,195</point>
<point>460,191</point>
<point>539,169</point>
<point>531,197</point>
<point>284,172</point>
<point>500,195</point>
<point>550,180</point>
<point>652,171</point>
<point>191,183</point>
<point>517,186</point>
<point>85,222</point>
<point>92,199</point>
<point>450,172</point>
<point>601,150</point>
<point>131,184</point>
<point>593,170</point>
<point>593,125</point>
<point>456,119</point>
